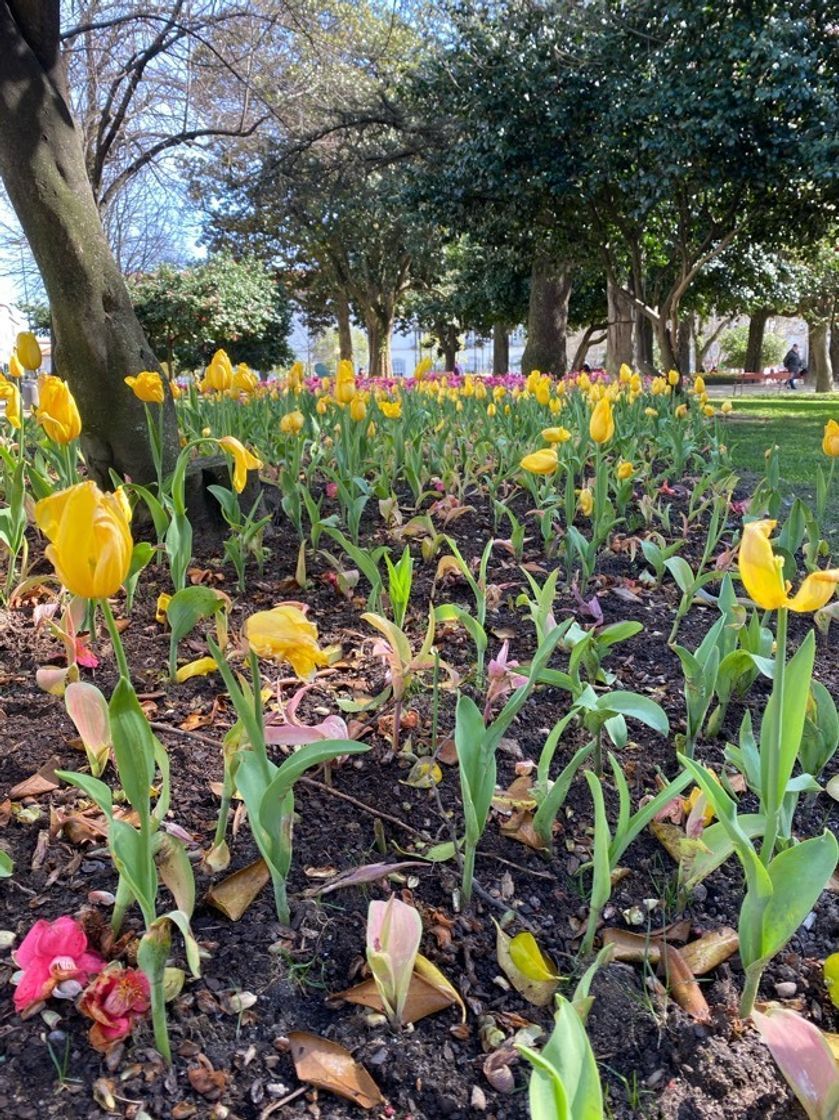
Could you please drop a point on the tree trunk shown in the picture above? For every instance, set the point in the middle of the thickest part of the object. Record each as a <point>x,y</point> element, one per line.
<point>98,339</point>
<point>449,339</point>
<point>619,330</point>
<point>819,356</point>
<point>834,346</point>
<point>547,318</point>
<point>586,342</point>
<point>643,358</point>
<point>684,333</point>
<point>378,345</point>
<point>342,314</point>
<point>667,353</point>
<point>500,349</point>
<point>754,344</point>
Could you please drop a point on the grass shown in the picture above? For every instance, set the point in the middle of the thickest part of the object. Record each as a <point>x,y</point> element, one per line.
<point>796,425</point>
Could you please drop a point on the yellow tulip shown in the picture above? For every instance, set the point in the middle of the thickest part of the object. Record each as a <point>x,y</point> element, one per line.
<point>57,411</point>
<point>681,411</point>
<point>586,502</point>
<point>162,605</point>
<point>708,410</point>
<point>90,538</point>
<point>244,380</point>
<point>147,386</point>
<point>491,410</point>
<point>762,573</point>
<point>555,435</point>
<point>391,409</point>
<point>422,368</point>
<point>498,393</point>
<point>218,376</point>
<point>541,462</point>
<point>358,409</point>
<point>699,385</point>
<point>726,407</point>
<point>199,668</point>
<point>625,374</point>
<point>636,383</point>
<point>650,412</point>
<point>831,978</point>
<point>830,442</point>
<point>243,461</point>
<point>625,471</point>
<point>292,423</point>
<point>10,393</point>
<point>602,424</point>
<point>285,634</point>
<point>28,350</point>
<point>176,391</point>
<point>673,377</point>
<point>15,365</point>
<point>295,377</point>
<point>345,382</point>
<point>322,406</point>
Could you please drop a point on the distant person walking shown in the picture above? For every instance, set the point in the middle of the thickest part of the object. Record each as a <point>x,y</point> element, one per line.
<point>793,364</point>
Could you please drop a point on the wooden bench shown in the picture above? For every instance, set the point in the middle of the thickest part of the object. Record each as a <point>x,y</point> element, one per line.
<point>773,377</point>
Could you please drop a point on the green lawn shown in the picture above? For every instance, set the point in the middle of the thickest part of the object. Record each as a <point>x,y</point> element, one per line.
<point>796,425</point>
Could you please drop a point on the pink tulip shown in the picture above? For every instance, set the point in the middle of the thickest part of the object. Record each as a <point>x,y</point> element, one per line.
<point>502,679</point>
<point>54,961</point>
<point>394,932</point>
<point>291,732</point>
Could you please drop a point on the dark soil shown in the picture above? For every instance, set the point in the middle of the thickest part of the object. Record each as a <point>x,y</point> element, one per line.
<point>655,1061</point>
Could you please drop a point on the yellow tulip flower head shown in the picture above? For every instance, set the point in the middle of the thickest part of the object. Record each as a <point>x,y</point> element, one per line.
<point>726,407</point>
<point>541,462</point>
<point>244,380</point>
<point>491,409</point>
<point>28,350</point>
<point>555,435</point>
<point>586,502</point>
<point>624,374</point>
<point>681,411</point>
<point>15,365</point>
<point>762,573</point>
<point>830,442</point>
<point>176,391</point>
<point>358,408</point>
<point>673,377</point>
<point>602,424</point>
<point>90,538</point>
<point>699,385</point>
<point>147,386</point>
<point>422,368</point>
<point>285,634</point>
<point>10,393</point>
<point>391,409</point>
<point>57,412</point>
<point>292,423</point>
<point>345,382</point>
<point>651,412</point>
<point>243,461</point>
<point>625,471</point>
<point>295,377</point>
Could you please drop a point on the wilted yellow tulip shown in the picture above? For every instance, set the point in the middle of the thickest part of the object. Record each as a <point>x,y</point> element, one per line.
<point>57,412</point>
<point>147,386</point>
<point>161,607</point>
<point>243,461</point>
<point>602,424</point>
<point>625,471</point>
<point>830,442</point>
<point>285,634</point>
<point>28,350</point>
<point>15,365</point>
<point>762,573</point>
<point>10,393</point>
<point>586,502</point>
<point>541,462</point>
<point>292,423</point>
<point>90,538</point>
<point>391,409</point>
<point>681,411</point>
<point>555,435</point>
<point>673,377</point>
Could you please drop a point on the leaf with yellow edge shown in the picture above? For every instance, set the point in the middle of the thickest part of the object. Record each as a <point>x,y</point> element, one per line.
<point>200,668</point>
<point>432,976</point>
<point>425,774</point>
<point>428,993</point>
<point>831,978</point>
<point>526,967</point>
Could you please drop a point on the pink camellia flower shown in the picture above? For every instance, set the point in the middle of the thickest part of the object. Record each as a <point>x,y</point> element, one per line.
<point>116,999</point>
<point>54,960</point>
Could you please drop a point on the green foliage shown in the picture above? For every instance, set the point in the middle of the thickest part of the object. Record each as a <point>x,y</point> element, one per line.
<point>734,341</point>
<point>188,312</point>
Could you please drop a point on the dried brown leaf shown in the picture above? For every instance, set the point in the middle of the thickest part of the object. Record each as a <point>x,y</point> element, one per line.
<point>329,1066</point>
<point>233,895</point>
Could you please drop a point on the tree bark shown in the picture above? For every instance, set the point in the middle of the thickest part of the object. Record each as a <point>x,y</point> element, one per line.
<point>643,357</point>
<point>547,318</point>
<point>342,315</point>
<point>619,330</point>
<point>500,349</point>
<point>754,343</point>
<point>379,330</point>
<point>684,334</point>
<point>834,345</point>
<point>589,339</point>
<point>97,335</point>
<point>448,337</point>
<point>819,356</point>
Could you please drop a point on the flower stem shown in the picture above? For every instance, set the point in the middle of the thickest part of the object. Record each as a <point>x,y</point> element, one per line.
<point>116,640</point>
<point>773,805</point>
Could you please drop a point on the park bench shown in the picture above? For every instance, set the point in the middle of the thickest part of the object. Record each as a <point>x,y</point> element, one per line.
<point>773,377</point>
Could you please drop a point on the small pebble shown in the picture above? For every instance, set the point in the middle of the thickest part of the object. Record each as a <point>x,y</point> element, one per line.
<point>479,1101</point>
<point>786,989</point>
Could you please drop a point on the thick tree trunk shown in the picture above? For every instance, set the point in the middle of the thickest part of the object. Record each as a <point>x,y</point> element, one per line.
<point>98,337</point>
<point>587,341</point>
<point>342,315</point>
<point>547,318</point>
<point>500,349</point>
<point>834,348</point>
<point>643,357</point>
<point>378,345</point>
<point>819,356</point>
<point>619,330</point>
<point>667,351</point>
<point>754,343</point>
<point>684,335</point>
